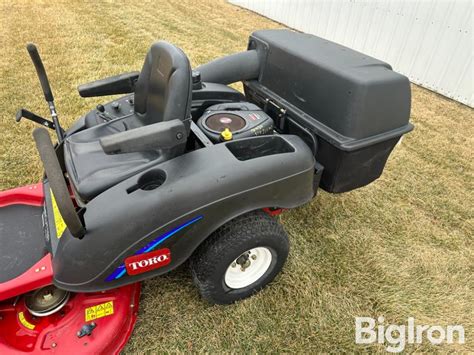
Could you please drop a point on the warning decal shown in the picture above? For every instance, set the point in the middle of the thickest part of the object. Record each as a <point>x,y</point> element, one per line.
<point>99,311</point>
<point>24,322</point>
<point>58,219</point>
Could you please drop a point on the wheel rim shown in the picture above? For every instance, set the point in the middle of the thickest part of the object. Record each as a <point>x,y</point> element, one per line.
<point>248,268</point>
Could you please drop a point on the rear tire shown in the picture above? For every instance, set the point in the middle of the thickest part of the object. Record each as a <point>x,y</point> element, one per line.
<point>240,258</point>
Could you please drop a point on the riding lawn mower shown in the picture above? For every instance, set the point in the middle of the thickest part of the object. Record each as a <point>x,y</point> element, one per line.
<point>184,168</point>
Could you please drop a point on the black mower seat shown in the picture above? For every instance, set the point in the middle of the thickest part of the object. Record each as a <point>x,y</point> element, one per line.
<point>91,171</point>
<point>163,93</point>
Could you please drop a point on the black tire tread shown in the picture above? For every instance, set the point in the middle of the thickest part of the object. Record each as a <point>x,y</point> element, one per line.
<point>242,230</point>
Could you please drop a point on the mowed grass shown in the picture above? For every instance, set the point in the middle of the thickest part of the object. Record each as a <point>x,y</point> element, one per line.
<point>401,247</point>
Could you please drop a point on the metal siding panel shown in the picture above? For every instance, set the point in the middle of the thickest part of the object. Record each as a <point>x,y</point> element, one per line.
<point>321,14</point>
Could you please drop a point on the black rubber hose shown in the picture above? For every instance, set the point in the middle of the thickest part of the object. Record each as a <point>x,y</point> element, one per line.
<point>232,68</point>
<point>57,182</point>
<point>43,78</point>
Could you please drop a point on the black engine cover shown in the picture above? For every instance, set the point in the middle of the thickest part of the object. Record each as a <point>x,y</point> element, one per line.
<point>243,119</point>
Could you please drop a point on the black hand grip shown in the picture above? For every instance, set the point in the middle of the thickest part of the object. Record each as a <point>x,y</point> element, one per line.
<point>58,183</point>
<point>119,84</point>
<point>162,135</point>
<point>43,78</point>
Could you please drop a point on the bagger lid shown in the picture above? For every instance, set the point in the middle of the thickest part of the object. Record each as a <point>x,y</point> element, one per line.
<point>342,93</point>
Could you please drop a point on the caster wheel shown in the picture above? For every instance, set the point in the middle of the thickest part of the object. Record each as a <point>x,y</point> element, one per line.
<point>240,258</point>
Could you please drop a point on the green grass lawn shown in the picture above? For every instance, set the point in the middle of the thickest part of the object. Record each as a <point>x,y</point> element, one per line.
<point>401,247</point>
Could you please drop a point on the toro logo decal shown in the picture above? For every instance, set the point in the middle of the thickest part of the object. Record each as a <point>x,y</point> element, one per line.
<point>138,264</point>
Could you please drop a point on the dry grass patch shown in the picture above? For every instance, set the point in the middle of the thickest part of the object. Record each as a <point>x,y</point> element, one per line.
<point>400,247</point>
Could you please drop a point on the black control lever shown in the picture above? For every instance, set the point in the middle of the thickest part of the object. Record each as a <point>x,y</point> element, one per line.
<point>48,94</point>
<point>23,113</point>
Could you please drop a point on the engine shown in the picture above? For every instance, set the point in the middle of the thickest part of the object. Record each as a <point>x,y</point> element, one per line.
<point>228,121</point>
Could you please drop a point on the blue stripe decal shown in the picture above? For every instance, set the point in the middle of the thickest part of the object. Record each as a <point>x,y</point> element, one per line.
<point>121,274</point>
<point>120,271</point>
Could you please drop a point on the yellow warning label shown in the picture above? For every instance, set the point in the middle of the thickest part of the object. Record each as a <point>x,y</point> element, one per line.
<point>99,311</point>
<point>26,324</point>
<point>58,219</point>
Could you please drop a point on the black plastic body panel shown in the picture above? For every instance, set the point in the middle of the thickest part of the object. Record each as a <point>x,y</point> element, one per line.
<point>210,184</point>
<point>355,106</point>
<point>347,170</point>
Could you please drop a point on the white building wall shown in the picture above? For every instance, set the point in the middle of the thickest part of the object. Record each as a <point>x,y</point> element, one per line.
<point>430,41</point>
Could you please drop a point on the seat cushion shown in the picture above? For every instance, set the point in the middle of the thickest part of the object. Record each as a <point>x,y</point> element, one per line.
<point>91,171</point>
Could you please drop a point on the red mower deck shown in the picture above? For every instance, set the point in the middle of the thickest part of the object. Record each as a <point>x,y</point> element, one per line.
<point>113,312</point>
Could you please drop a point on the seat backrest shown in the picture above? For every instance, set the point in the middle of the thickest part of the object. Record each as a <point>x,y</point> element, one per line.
<point>164,88</point>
